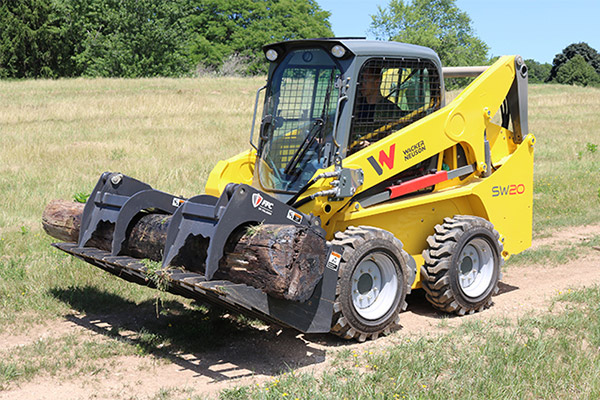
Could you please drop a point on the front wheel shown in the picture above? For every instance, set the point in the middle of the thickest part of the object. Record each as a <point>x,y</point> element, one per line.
<point>373,281</point>
<point>462,265</point>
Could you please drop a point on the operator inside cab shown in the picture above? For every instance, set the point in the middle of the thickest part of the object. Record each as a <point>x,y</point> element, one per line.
<point>391,94</point>
<point>372,108</point>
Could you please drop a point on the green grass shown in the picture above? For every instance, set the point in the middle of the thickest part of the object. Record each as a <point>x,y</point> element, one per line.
<point>549,356</point>
<point>555,254</point>
<point>69,355</point>
<point>565,120</point>
<point>546,255</point>
<point>33,274</point>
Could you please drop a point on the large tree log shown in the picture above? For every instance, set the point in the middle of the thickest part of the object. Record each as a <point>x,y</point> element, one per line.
<point>285,261</point>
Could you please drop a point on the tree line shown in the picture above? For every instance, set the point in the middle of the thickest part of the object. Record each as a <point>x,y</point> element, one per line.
<point>577,64</point>
<point>143,38</point>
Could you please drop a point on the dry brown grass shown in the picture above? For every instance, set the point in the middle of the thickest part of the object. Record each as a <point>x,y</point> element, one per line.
<point>57,137</point>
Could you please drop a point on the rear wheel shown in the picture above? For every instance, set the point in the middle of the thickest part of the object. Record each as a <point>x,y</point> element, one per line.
<point>373,281</point>
<point>462,265</point>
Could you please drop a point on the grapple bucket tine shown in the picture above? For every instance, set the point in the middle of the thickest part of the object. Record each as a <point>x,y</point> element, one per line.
<point>144,200</point>
<point>196,216</point>
<point>88,208</point>
<point>213,255</point>
<point>110,194</point>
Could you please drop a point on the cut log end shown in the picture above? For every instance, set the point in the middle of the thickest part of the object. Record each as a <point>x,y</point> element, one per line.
<point>62,219</point>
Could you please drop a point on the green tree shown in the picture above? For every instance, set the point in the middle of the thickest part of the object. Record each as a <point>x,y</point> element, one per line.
<point>577,71</point>
<point>32,40</point>
<point>129,38</point>
<point>135,38</point>
<point>438,24</point>
<point>538,73</point>
<point>223,28</point>
<point>589,54</point>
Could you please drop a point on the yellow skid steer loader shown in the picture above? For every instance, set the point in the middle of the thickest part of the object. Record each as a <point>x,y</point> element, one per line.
<point>357,144</point>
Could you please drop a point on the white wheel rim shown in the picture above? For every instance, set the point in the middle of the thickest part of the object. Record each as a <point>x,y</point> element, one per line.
<point>476,267</point>
<point>374,286</point>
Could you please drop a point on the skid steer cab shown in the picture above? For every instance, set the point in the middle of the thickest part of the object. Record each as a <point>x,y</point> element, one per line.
<point>356,143</point>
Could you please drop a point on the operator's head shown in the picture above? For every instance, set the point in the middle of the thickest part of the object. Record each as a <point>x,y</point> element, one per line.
<point>370,82</point>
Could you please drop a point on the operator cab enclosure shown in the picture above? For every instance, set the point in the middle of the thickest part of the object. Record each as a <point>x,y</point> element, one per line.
<point>329,98</point>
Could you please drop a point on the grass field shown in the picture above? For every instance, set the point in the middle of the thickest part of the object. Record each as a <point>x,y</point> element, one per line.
<point>57,137</point>
<point>555,356</point>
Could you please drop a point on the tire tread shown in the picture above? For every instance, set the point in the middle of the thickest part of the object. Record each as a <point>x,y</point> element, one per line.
<point>351,239</point>
<point>436,280</point>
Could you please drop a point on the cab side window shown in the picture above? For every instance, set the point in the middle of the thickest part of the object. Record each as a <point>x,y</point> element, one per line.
<point>392,94</point>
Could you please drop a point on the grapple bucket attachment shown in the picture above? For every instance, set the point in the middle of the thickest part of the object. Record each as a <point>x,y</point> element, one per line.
<point>117,199</point>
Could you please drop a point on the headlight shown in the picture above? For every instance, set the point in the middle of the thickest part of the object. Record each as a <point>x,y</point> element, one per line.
<point>271,55</point>
<point>338,51</point>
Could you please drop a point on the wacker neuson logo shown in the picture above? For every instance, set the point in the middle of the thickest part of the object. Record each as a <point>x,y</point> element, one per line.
<point>388,159</point>
<point>414,150</point>
<point>262,204</point>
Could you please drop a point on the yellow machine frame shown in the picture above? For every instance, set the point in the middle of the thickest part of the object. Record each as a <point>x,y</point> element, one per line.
<point>502,196</point>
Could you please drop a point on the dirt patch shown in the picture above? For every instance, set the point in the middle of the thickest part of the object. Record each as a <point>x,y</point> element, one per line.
<point>567,236</point>
<point>51,329</point>
<point>259,355</point>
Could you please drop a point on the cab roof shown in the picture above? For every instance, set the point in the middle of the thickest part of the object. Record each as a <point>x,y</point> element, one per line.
<point>360,47</point>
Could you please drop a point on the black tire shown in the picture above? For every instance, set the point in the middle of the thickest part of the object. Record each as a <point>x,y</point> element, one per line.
<point>375,306</point>
<point>459,274</point>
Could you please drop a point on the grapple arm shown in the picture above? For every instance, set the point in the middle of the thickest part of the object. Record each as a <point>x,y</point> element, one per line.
<point>117,199</point>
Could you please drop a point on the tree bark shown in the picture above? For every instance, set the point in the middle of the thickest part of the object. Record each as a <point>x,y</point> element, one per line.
<point>285,261</point>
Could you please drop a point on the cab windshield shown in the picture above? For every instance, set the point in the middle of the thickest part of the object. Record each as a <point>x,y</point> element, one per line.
<point>298,121</point>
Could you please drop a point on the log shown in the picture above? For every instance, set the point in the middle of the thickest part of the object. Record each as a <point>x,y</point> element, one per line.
<point>285,261</point>
<point>62,220</point>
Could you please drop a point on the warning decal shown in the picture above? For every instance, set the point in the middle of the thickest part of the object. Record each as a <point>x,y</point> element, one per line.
<point>334,260</point>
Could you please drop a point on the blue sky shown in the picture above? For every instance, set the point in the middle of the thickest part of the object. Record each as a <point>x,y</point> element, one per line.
<point>537,29</point>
